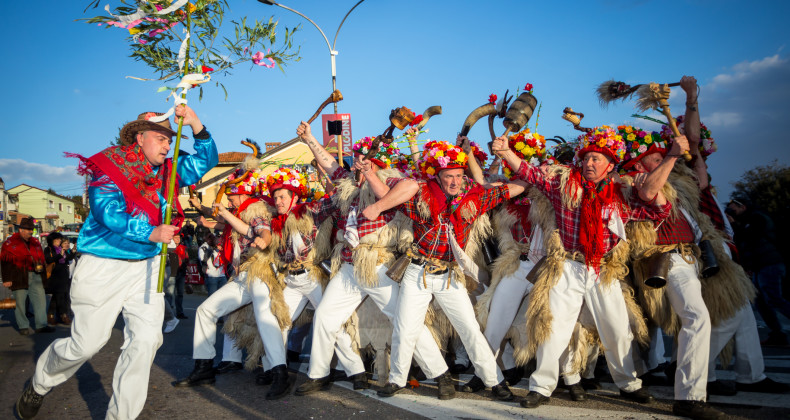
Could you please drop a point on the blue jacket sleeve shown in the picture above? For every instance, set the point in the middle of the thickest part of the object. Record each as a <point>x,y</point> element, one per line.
<point>109,209</point>
<point>192,167</point>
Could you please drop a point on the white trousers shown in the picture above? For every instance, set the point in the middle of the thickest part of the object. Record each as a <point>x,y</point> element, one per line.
<point>507,298</point>
<point>341,298</point>
<point>410,321</point>
<point>749,364</point>
<point>684,291</point>
<point>655,355</point>
<point>579,285</point>
<point>101,289</point>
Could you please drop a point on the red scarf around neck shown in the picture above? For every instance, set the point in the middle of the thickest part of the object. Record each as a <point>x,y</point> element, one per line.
<point>594,198</point>
<point>227,240</point>
<point>127,168</point>
<point>438,202</point>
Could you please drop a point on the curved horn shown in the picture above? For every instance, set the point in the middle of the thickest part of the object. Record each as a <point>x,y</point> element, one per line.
<point>474,116</point>
<point>336,96</point>
<point>427,114</point>
<point>574,118</point>
<point>557,140</point>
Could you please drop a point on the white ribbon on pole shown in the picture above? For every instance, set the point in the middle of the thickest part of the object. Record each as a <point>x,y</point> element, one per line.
<point>180,97</point>
<point>139,14</point>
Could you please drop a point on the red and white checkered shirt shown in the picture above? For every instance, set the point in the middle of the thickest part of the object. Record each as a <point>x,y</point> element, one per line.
<point>364,225</point>
<point>431,236</point>
<point>568,220</point>
<point>320,209</point>
<point>675,230</point>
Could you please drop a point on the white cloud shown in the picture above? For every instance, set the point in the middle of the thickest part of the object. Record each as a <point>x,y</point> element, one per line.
<point>18,171</point>
<point>745,108</point>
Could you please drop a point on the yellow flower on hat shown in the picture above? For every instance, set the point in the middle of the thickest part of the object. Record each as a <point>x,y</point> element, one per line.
<point>648,139</point>
<point>631,137</point>
<point>461,157</point>
<point>430,171</point>
<point>440,153</point>
<point>629,129</point>
<point>520,145</point>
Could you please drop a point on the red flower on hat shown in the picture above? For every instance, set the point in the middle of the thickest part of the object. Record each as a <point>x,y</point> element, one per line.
<point>416,120</point>
<point>205,69</point>
<point>149,115</point>
<point>528,87</point>
<point>492,99</point>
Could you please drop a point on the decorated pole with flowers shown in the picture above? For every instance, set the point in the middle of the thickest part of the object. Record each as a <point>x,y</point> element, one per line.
<point>151,25</point>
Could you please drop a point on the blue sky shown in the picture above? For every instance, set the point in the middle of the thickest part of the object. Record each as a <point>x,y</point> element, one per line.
<point>66,90</point>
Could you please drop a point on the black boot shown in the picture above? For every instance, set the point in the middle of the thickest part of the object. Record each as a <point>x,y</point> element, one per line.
<point>360,381</point>
<point>698,410</point>
<point>474,385</point>
<point>446,388</point>
<point>640,396</point>
<point>312,385</point>
<point>533,400</point>
<point>264,378</point>
<point>29,402</point>
<point>203,374</point>
<point>389,390</point>
<point>502,392</point>
<point>227,367</point>
<point>281,383</point>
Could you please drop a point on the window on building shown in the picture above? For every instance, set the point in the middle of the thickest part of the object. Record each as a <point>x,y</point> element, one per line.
<point>68,209</point>
<point>60,206</point>
<point>51,204</point>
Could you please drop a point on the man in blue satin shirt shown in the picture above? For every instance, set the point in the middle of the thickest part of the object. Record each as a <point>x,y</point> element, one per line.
<point>119,268</point>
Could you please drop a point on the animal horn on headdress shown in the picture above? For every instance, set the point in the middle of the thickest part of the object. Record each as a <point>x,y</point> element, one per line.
<point>427,114</point>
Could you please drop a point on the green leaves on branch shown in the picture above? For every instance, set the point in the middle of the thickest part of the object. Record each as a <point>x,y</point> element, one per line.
<point>155,39</point>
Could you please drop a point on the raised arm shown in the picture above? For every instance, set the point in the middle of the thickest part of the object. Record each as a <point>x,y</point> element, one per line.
<point>379,188</point>
<point>692,128</point>
<point>501,148</point>
<point>402,192</point>
<point>649,185</point>
<point>473,168</point>
<point>324,159</point>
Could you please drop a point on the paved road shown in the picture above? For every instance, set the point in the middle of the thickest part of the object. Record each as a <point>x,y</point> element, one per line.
<point>236,395</point>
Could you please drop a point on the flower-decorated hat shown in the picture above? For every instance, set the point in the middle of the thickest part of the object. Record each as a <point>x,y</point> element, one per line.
<point>244,182</point>
<point>531,147</point>
<point>638,144</point>
<point>384,156</point>
<point>604,140</point>
<point>142,123</point>
<point>287,178</point>
<point>440,155</point>
<point>706,143</point>
<point>478,153</point>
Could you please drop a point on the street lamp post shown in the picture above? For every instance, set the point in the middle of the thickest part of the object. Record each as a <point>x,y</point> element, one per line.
<point>332,54</point>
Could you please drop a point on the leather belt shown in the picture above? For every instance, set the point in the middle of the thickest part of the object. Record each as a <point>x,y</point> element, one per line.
<point>421,262</point>
<point>296,272</point>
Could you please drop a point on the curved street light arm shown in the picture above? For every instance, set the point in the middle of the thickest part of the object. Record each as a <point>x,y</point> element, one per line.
<point>334,41</point>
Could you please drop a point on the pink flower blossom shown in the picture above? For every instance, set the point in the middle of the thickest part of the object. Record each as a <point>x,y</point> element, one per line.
<point>642,148</point>
<point>259,57</point>
<point>443,160</point>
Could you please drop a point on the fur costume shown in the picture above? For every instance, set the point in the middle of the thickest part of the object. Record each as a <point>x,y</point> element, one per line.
<point>535,323</point>
<point>724,293</point>
<point>241,325</point>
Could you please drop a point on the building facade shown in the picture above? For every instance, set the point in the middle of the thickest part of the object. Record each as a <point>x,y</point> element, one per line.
<point>50,210</point>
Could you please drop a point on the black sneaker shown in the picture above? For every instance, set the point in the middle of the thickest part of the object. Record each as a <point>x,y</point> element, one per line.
<point>718,387</point>
<point>313,385</point>
<point>360,381</point>
<point>767,385</point>
<point>46,329</point>
<point>29,402</point>
<point>640,396</point>
<point>227,367</point>
<point>281,383</point>
<point>474,385</point>
<point>534,399</point>
<point>698,410</point>
<point>577,392</point>
<point>389,390</point>
<point>445,384</point>
<point>502,391</point>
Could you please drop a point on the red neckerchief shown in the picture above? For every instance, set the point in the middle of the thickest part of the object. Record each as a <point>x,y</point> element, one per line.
<point>22,254</point>
<point>521,211</point>
<point>438,203</point>
<point>227,241</point>
<point>127,167</point>
<point>594,199</point>
<point>278,222</point>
